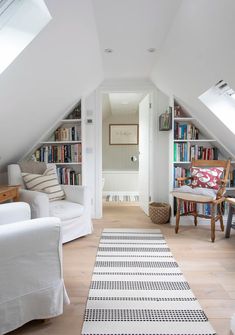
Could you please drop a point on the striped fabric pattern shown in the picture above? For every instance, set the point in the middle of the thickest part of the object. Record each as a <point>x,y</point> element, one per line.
<point>46,183</point>
<point>122,198</point>
<point>137,288</point>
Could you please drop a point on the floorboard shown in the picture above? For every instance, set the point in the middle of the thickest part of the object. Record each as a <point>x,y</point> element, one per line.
<point>208,267</point>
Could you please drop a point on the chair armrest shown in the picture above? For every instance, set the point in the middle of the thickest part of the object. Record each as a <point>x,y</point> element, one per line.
<point>76,193</point>
<point>14,212</point>
<point>38,201</point>
<point>181,180</point>
<point>222,188</point>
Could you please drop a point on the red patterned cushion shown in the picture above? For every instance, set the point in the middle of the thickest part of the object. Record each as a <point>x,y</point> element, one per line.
<point>206,177</point>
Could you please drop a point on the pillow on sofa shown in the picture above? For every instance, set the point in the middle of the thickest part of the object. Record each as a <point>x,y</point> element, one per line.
<point>46,183</point>
<point>206,177</point>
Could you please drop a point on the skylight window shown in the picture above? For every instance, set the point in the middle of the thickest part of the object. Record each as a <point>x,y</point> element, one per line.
<point>220,99</point>
<point>20,22</point>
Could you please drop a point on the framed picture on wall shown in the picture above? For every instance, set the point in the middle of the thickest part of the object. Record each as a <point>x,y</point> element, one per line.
<point>123,134</point>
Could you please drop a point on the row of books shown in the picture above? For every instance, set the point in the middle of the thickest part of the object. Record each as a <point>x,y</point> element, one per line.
<point>68,134</point>
<point>184,152</point>
<point>185,131</point>
<point>231,179</point>
<point>67,176</point>
<point>186,207</point>
<point>69,153</point>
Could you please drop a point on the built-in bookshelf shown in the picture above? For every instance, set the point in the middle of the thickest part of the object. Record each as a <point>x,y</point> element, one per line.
<point>190,140</point>
<point>64,148</point>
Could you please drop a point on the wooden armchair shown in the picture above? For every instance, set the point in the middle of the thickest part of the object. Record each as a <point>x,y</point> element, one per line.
<point>213,174</point>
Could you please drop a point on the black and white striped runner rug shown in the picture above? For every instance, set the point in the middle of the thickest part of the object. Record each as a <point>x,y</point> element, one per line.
<point>137,288</point>
<point>122,198</point>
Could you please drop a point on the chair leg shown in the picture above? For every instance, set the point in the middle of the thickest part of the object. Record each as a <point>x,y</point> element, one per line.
<point>221,217</point>
<point>229,221</point>
<point>177,220</point>
<point>213,223</point>
<point>195,215</point>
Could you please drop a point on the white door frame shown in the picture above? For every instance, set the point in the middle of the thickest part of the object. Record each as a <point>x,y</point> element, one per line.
<point>112,88</point>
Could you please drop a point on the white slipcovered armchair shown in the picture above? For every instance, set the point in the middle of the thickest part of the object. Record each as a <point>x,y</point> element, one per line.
<point>74,211</point>
<point>31,277</point>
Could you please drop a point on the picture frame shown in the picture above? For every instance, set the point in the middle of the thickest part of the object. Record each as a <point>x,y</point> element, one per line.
<point>123,134</point>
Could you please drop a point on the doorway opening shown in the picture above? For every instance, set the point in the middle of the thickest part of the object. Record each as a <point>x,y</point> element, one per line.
<point>125,149</point>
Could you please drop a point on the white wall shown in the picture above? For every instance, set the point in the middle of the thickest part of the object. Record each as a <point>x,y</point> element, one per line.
<point>198,52</point>
<point>160,187</point>
<point>60,65</point>
<point>121,181</point>
<point>118,157</point>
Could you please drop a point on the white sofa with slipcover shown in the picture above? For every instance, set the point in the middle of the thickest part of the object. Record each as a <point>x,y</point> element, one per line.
<point>31,277</point>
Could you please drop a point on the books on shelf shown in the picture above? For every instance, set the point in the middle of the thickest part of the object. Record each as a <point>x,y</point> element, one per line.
<point>68,133</point>
<point>203,208</point>
<point>189,143</point>
<point>76,112</point>
<point>180,172</point>
<point>185,131</point>
<point>68,176</point>
<point>231,179</point>
<point>64,148</point>
<point>184,152</point>
<point>67,153</point>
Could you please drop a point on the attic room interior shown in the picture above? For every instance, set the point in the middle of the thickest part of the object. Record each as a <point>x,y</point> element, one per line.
<point>117,167</point>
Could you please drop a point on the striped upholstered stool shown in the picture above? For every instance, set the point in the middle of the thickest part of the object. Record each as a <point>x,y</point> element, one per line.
<point>230,224</point>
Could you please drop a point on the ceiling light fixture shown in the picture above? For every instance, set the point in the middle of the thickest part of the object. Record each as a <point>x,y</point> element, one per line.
<point>108,50</point>
<point>151,50</point>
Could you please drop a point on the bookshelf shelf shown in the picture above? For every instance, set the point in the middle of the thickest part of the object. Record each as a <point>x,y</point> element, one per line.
<point>179,162</point>
<point>71,120</point>
<point>70,163</point>
<point>64,147</point>
<point>189,139</point>
<point>184,119</point>
<point>197,140</point>
<point>60,142</point>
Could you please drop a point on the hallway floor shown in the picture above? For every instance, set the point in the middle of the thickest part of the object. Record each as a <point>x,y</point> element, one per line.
<point>208,267</point>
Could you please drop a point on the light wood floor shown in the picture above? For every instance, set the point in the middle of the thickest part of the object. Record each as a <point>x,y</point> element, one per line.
<point>208,267</point>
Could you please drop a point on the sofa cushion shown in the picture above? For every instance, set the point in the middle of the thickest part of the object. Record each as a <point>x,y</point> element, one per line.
<point>65,210</point>
<point>46,183</point>
<point>194,194</point>
<point>206,177</point>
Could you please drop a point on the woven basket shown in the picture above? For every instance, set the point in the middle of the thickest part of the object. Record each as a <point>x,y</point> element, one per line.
<point>159,212</point>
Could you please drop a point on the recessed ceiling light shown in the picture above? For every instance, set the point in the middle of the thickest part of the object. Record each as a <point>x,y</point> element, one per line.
<point>151,49</point>
<point>124,102</point>
<point>108,50</point>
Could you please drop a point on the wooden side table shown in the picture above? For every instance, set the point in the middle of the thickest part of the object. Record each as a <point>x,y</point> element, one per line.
<point>9,193</point>
<point>230,223</point>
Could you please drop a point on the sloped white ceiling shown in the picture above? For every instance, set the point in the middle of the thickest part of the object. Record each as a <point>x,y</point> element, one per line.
<point>51,74</point>
<point>130,27</point>
<point>198,52</point>
<point>194,41</point>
